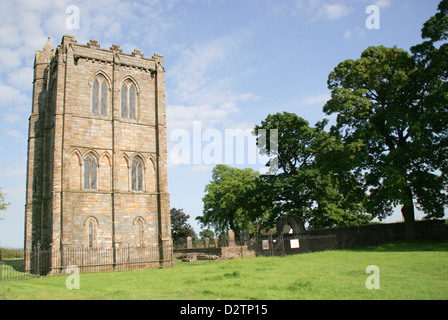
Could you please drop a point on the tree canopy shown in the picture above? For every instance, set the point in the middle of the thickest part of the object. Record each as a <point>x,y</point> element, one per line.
<point>391,111</point>
<point>232,200</point>
<point>180,228</point>
<point>304,187</point>
<point>207,233</point>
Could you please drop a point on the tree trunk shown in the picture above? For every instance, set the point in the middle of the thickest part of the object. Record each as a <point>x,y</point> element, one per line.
<point>301,225</point>
<point>409,217</point>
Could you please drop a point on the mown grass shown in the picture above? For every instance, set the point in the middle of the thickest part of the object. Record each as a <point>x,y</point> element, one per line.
<point>408,270</point>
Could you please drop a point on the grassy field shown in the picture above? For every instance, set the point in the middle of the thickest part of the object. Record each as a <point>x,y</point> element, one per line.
<point>408,270</point>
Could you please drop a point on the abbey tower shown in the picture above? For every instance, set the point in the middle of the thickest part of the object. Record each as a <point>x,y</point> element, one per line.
<point>97,157</point>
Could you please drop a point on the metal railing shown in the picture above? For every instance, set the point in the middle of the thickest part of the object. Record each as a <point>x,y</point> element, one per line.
<point>12,266</point>
<point>21,264</point>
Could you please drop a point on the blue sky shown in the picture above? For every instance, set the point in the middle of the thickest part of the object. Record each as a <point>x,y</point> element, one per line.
<point>229,64</point>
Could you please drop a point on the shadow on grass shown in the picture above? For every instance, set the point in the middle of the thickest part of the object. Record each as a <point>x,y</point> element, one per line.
<point>407,245</point>
<point>17,264</point>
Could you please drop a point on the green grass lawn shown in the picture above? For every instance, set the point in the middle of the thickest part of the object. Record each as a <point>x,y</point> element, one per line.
<point>408,270</point>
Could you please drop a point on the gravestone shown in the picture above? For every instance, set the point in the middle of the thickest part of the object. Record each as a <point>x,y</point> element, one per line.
<point>189,243</point>
<point>232,238</point>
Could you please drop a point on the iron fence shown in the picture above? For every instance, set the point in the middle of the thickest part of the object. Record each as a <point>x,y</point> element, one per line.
<point>21,264</point>
<point>12,266</point>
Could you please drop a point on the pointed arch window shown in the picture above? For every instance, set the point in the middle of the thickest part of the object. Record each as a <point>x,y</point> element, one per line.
<point>99,96</point>
<point>91,230</point>
<point>90,173</point>
<point>141,232</point>
<point>128,100</point>
<point>91,234</point>
<point>137,175</point>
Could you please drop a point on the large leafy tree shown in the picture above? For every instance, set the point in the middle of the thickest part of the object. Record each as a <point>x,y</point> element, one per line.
<point>207,233</point>
<point>233,200</point>
<point>180,228</point>
<point>292,186</point>
<point>431,86</point>
<point>303,187</point>
<point>386,127</point>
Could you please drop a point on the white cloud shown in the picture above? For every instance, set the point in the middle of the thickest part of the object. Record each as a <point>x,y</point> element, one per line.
<point>22,78</point>
<point>322,9</point>
<point>182,117</point>
<point>205,67</point>
<point>356,32</point>
<point>317,99</point>
<point>204,84</point>
<point>348,34</point>
<point>9,59</point>
<point>9,36</point>
<point>12,117</point>
<point>205,81</point>
<point>335,11</point>
<point>275,7</point>
<point>8,94</point>
<point>13,99</point>
<point>16,134</point>
<point>202,168</point>
<point>383,3</point>
<point>24,25</point>
<point>13,167</point>
<point>16,194</point>
<point>120,22</point>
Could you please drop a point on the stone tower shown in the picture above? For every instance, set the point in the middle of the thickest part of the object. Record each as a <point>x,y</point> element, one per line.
<point>97,154</point>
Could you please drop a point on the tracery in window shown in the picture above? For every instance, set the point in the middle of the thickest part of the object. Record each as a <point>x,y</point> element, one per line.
<point>99,96</point>
<point>137,175</point>
<point>90,173</point>
<point>128,100</point>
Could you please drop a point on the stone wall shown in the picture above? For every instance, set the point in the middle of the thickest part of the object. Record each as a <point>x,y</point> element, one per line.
<point>221,253</point>
<point>318,240</point>
<point>350,237</point>
<point>380,233</point>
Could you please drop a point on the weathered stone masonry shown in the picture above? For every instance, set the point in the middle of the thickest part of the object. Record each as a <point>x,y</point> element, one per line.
<point>97,157</point>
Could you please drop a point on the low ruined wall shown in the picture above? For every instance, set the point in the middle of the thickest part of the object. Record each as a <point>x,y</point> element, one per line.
<point>319,240</point>
<point>231,252</point>
<point>346,238</point>
<point>374,234</point>
<point>237,252</point>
